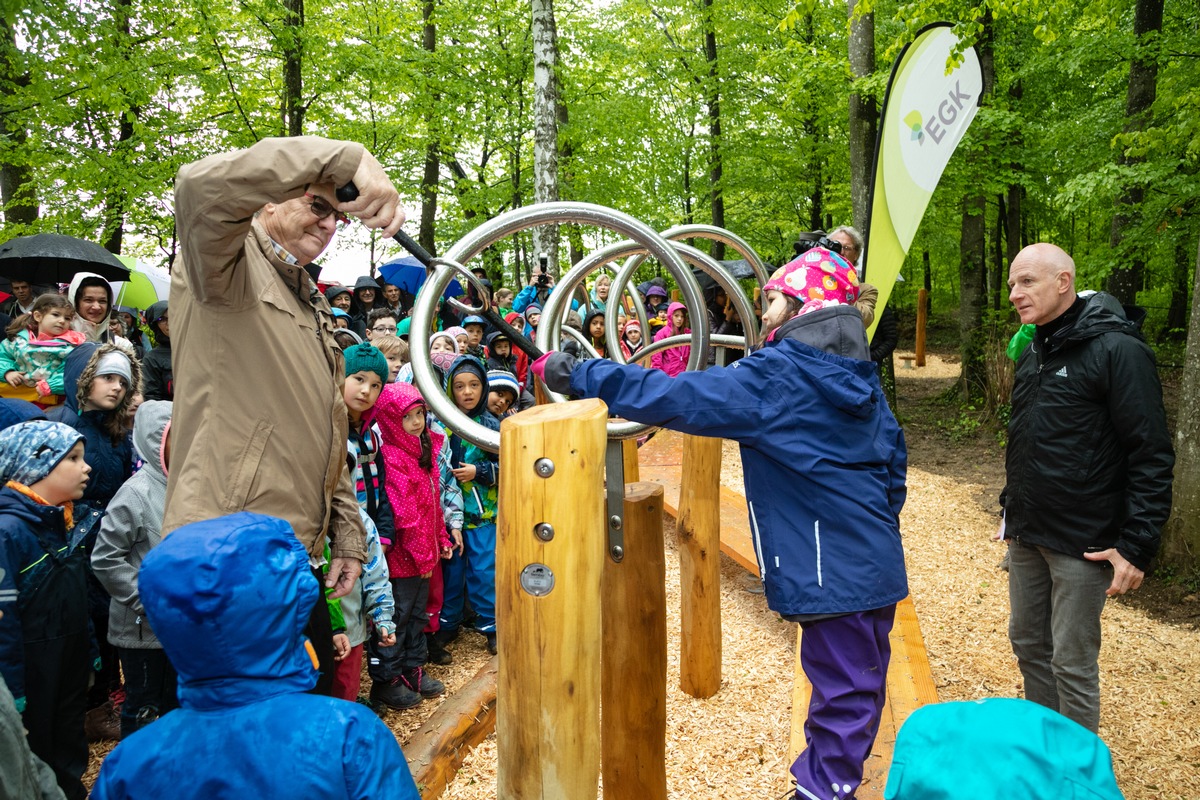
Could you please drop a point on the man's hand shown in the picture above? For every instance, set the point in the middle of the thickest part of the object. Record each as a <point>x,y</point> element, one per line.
<point>343,572</point>
<point>1126,577</point>
<point>378,202</point>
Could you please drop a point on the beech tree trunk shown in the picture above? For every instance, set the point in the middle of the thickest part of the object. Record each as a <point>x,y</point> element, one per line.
<point>429,177</point>
<point>545,125</point>
<point>1126,279</point>
<point>1181,537</point>
<point>864,115</point>
<point>116,197</point>
<point>293,63</point>
<point>18,191</point>
<point>715,167</point>
<point>972,265</point>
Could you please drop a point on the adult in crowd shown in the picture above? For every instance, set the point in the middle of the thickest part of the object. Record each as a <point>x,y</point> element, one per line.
<point>92,297</point>
<point>21,301</point>
<point>339,297</point>
<point>1088,464</point>
<point>266,431</point>
<point>156,366</point>
<point>367,297</point>
<point>391,299</point>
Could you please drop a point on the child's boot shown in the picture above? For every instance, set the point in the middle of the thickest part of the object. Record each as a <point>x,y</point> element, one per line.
<point>421,682</point>
<point>394,694</point>
<point>438,654</point>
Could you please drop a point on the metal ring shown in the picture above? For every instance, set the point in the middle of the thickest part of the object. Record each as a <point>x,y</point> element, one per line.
<point>495,229</point>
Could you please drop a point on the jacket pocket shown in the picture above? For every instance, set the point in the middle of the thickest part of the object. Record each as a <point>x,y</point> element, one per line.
<point>246,467</point>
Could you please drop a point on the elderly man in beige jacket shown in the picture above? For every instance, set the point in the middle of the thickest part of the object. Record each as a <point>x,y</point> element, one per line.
<point>259,421</point>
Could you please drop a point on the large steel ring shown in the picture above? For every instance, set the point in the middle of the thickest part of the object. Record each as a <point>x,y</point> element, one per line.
<point>497,228</point>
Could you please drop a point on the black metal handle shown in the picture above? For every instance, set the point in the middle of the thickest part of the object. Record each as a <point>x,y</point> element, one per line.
<point>349,192</point>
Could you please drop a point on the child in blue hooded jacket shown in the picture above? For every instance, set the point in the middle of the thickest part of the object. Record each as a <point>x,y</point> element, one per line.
<point>230,598</point>
<point>46,650</point>
<point>472,573</point>
<point>824,468</point>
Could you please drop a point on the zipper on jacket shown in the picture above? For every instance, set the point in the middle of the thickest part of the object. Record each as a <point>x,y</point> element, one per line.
<point>758,544</point>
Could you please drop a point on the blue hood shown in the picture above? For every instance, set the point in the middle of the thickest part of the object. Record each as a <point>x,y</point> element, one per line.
<point>229,599</point>
<point>13,411</point>
<point>468,363</point>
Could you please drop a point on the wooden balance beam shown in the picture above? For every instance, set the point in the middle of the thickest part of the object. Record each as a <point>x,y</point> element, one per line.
<point>910,680</point>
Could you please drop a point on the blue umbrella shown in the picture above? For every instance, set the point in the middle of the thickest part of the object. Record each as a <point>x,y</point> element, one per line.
<point>408,274</point>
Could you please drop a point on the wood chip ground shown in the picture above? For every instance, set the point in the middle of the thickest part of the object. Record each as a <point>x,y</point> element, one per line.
<point>734,744</point>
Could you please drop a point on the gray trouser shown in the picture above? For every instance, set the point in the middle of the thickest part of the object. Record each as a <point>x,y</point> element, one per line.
<point>1056,600</point>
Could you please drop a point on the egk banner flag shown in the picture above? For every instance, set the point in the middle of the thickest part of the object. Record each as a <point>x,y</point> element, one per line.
<point>926,112</point>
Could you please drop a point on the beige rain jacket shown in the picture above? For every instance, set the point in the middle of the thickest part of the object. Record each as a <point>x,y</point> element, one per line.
<point>259,423</point>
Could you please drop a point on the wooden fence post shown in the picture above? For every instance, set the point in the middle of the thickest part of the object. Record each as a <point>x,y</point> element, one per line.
<point>699,530</point>
<point>550,552</point>
<point>922,313</point>
<point>634,671</point>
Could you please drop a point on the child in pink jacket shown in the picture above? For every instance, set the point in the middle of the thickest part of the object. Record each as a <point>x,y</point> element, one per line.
<point>673,360</point>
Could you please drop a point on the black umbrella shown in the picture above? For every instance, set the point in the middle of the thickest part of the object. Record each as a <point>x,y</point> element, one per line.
<point>739,268</point>
<point>54,258</point>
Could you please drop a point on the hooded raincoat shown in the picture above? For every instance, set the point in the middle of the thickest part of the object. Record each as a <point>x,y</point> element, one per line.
<point>824,459</point>
<point>673,360</point>
<point>230,598</point>
<point>132,526</point>
<point>156,363</point>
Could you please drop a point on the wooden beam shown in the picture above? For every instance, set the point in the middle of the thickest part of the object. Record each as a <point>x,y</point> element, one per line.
<point>436,750</point>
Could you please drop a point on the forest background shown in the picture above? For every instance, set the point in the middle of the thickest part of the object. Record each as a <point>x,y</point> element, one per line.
<point>758,116</point>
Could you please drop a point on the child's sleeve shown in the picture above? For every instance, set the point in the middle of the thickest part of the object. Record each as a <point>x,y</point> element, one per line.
<point>377,590</point>
<point>733,402</point>
<point>385,527</point>
<point>110,557</point>
<point>8,359</point>
<point>12,640</point>
<point>452,498</point>
<point>336,618</point>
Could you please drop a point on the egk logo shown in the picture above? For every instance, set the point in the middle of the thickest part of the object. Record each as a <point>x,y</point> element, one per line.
<point>947,112</point>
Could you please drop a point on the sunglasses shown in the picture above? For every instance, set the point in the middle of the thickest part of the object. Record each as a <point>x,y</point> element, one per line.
<point>321,208</point>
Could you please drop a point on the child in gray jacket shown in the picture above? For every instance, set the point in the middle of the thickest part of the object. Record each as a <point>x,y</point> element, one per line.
<point>131,527</point>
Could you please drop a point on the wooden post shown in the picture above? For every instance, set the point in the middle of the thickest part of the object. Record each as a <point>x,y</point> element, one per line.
<point>629,450</point>
<point>699,530</point>
<point>634,670</point>
<point>548,601</point>
<point>922,305</point>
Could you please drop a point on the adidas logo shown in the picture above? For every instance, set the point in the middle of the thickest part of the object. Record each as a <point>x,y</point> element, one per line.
<point>1062,372</point>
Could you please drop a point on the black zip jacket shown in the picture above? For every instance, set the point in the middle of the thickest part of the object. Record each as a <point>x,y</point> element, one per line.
<point>1089,457</point>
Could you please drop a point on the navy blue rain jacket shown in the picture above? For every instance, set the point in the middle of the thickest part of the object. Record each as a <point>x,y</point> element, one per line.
<point>823,460</point>
<point>229,598</point>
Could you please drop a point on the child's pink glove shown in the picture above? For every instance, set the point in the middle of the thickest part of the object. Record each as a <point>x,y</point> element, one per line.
<point>43,388</point>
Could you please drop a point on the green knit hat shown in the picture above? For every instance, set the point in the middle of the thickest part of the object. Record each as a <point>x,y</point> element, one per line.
<point>366,358</point>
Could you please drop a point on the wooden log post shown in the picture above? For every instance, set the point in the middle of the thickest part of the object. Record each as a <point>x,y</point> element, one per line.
<point>699,530</point>
<point>922,313</point>
<point>634,669</point>
<point>629,451</point>
<point>550,553</point>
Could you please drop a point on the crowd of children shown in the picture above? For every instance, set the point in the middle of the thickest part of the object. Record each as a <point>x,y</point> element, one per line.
<point>83,476</point>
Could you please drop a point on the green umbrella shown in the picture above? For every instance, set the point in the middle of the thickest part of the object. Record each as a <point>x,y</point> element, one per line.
<point>143,289</point>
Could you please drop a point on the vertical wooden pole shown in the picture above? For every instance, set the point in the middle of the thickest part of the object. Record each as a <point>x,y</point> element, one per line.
<point>634,652</point>
<point>629,450</point>
<point>548,601</point>
<point>922,305</point>
<point>699,530</point>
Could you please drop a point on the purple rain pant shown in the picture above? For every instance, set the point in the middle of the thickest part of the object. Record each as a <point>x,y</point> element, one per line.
<point>846,660</point>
